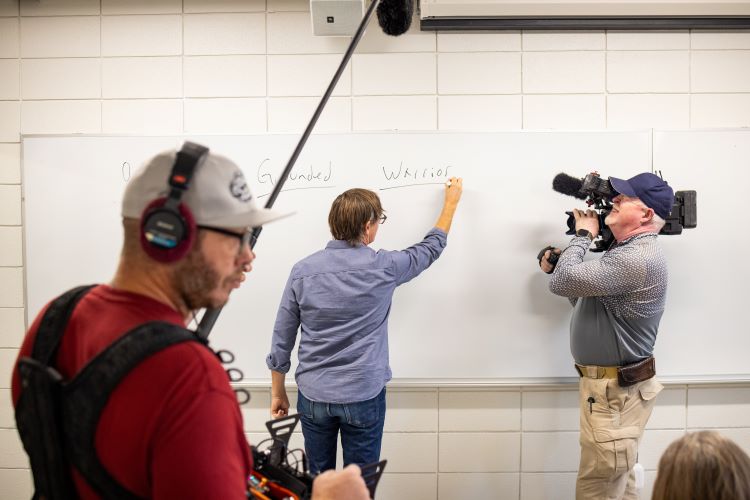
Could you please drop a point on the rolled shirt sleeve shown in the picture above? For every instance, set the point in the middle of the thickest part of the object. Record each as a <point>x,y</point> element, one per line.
<point>284,330</point>
<point>409,263</point>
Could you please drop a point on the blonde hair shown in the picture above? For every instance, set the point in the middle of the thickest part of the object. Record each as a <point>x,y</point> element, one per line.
<point>703,465</point>
<point>351,211</point>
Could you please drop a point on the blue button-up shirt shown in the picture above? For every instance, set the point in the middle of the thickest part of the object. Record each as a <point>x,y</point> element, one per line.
<point>341,299</point>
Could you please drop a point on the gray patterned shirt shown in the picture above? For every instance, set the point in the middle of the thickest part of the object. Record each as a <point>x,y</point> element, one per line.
<point>618,299</point>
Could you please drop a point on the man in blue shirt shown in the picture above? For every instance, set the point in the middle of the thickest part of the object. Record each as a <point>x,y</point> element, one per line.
<point>340,299</point>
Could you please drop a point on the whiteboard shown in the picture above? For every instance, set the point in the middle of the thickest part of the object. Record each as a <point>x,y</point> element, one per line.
<point>482,311</point>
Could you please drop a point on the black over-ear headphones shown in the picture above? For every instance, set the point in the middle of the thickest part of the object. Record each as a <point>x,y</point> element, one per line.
<point>167,225</point>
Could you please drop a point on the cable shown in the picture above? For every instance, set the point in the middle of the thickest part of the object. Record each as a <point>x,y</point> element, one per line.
<point>303,460</point>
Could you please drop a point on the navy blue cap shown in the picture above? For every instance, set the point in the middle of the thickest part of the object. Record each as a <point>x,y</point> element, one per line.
<point>650,188</point>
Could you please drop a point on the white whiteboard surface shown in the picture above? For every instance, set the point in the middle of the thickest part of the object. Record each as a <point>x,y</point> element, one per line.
<point>482,312</point>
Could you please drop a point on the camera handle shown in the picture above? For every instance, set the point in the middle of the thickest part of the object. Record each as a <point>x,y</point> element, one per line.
<point>553,257</point>
<point>605,238</point>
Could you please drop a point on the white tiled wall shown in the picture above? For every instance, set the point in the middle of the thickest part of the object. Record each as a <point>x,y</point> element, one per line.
<point>515,442</point>
<point>251,66</point>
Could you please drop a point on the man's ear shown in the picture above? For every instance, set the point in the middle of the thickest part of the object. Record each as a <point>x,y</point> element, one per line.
<point>366,232</point>
<point>648,216</point>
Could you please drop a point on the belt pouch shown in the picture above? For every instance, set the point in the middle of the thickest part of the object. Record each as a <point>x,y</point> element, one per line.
<point>637,372</point>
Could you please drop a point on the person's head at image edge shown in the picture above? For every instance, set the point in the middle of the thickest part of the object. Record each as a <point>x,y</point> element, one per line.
<point>703,466</point>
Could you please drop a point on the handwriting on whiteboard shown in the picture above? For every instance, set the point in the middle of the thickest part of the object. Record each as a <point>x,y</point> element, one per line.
<point>301,177</point>
<point>407,176</point>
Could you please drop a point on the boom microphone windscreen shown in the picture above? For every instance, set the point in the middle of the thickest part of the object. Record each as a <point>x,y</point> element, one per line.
<point>394,16</point>
<point>568,185</point>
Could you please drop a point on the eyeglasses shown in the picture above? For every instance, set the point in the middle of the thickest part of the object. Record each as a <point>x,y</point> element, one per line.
<point>243,237</point>
<point>382,218</point>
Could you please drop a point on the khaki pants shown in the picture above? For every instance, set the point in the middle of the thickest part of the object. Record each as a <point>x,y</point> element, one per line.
<point>611,428</point>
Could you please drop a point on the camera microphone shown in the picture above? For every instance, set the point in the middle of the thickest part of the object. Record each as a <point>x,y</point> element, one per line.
<point>394,16</point>
<point>568,185</point>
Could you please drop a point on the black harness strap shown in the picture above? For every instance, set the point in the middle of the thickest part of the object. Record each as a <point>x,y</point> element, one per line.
<point>38,406</point>
<point>57,420</point>
<point>85,397</point>
<point>53,324</point>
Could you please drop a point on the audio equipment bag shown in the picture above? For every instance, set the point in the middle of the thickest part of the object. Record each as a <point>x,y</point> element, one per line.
<point>282,474</point>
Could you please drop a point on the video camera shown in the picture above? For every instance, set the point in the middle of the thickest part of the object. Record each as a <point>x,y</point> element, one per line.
<point>282,474</point>
<point>598,193</point>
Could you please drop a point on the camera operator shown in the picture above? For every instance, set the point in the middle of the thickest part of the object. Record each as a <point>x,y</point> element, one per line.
<point>618,302</point>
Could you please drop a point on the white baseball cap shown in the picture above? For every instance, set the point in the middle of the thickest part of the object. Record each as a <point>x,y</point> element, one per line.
<point>218,194</point>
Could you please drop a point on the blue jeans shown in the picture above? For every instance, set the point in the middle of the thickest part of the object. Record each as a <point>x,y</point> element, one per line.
<point>361,426</point>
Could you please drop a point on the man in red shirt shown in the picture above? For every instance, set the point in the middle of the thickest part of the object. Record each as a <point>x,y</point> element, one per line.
<point>172,428</point>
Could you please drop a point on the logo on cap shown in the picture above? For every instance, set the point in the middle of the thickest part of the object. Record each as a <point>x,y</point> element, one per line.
<point>239,187</point>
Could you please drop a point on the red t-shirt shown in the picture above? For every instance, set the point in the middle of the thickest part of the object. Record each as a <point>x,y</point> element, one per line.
<point>172,428</point>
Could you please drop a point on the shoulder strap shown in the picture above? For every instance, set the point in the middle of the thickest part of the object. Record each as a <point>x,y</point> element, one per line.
<point>52,325</point>
<point>38,407</point>
<point>85,397</point>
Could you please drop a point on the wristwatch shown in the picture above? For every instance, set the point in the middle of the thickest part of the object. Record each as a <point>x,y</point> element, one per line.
<point>585,232</point>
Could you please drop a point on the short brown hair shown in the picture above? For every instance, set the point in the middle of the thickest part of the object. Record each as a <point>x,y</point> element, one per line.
<point>703,465</point>
<point>351,211</point>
